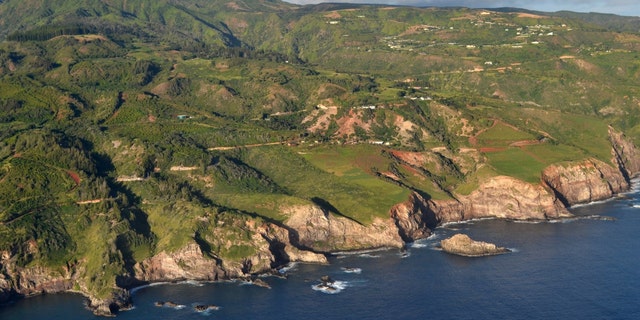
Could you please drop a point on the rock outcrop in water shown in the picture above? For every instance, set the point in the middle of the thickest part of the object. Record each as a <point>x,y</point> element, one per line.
<point>463,245</point>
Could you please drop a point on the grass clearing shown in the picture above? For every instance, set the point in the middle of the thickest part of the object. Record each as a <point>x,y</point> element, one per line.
<point>266,205</point>
<point>473,180</point>
<point>502,134</point>
<point>334,175</point>
<point>550,154</point>
<point>516,163</point>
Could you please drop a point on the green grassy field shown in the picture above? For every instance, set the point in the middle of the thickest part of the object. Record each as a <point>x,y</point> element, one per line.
<point>343,182</point>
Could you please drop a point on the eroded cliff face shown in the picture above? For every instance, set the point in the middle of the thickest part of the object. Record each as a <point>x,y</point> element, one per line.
<point>510,198</point>
<point>413,218</point>
<point>591,179</point>
<point>272,247</point>
<point>585,181</point>
<point>625,153</point>
<point>187,263</point>
<point>323,232</point>
<point>16,281</point>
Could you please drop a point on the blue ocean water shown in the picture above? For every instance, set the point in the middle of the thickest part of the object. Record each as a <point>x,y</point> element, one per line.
<point>584,268</point>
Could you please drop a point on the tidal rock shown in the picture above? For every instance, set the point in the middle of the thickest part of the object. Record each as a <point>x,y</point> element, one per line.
<point>260,283</point>
<point>205,307</point>
<point>326,280</point>
<point>462,245</point>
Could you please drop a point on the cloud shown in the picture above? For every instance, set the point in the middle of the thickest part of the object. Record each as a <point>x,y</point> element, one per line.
<point>622,7</point>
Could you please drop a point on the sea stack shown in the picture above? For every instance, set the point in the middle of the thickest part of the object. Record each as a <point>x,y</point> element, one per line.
<point>462,245</point>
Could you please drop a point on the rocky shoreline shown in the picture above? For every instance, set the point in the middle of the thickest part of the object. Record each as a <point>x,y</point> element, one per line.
<point>310,233</point>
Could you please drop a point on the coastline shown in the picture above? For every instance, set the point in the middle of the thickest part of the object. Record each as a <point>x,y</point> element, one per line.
<point>122,300</point>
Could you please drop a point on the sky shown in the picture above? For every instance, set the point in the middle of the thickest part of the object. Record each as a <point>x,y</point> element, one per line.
<point>620,7</point>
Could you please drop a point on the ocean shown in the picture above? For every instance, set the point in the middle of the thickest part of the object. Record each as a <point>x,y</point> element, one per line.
<point>584,268</point>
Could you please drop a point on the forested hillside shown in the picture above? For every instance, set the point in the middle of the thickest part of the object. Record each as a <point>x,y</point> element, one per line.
<point>132,131</point>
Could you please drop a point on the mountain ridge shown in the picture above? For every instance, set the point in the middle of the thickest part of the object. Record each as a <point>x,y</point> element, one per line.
<point>242,137</point>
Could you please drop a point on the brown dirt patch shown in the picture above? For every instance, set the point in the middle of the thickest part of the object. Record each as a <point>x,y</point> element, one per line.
<point>404,126</point>
<point>490,149</point>
<point>584,65</point>
<point>237,24</point>
<point>416,159</point>
<point>234,5</point>
<point>323,118</point>
<point>348,123</point>
<point>74,176</point>
<point>529,15</point>
<point>161,89</point>
<point>524,143</point>
<point>333,15</point>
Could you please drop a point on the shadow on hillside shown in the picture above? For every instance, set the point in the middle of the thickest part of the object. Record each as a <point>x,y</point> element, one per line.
<point>325,205</point>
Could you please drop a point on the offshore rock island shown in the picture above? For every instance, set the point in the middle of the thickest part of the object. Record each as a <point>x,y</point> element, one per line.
<point>462,245</point>
<point>194,140</point>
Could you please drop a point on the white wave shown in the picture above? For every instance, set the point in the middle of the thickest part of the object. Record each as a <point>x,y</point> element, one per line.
<point>528,221</point>
<point>448,225</point>
<point>433,236</point>
<point>288,267</point>
<point>578,218</point>
<point>334,287</point>
<point>636,205</point>
<point>192,283</point>
<point>171,305</point>
<point>416,245</point>
<point>351,270</point>
<point>423,243</point>
<point>369,255</point>
<point>592,203</point>
<point>564,220</point>
<point>358,252</point>
<point>136,289</point>
<point>405,254</point>
<point>513,250</point>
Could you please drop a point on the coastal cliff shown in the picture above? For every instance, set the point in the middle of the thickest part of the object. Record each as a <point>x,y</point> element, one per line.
<point>320,231</point>
<point>23,282</point>
<point>591,179</point>
<point>310,232</point>
<point>585,181</point>
<point>508,198</point>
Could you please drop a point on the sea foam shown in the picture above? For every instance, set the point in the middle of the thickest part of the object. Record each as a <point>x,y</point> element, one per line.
<point>351,270</point>
<point>288,267</point>
<point>334,287</point>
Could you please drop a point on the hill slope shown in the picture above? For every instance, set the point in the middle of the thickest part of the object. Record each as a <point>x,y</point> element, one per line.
<point>208,140</point>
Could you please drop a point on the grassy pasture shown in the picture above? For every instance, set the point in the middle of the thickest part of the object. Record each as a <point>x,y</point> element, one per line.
<point>337,175</point>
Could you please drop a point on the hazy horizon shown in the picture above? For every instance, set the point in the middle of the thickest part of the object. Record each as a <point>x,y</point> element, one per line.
<point>619,7</point>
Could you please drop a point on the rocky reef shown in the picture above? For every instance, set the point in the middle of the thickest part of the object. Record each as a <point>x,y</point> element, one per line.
<point>462,245</point>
